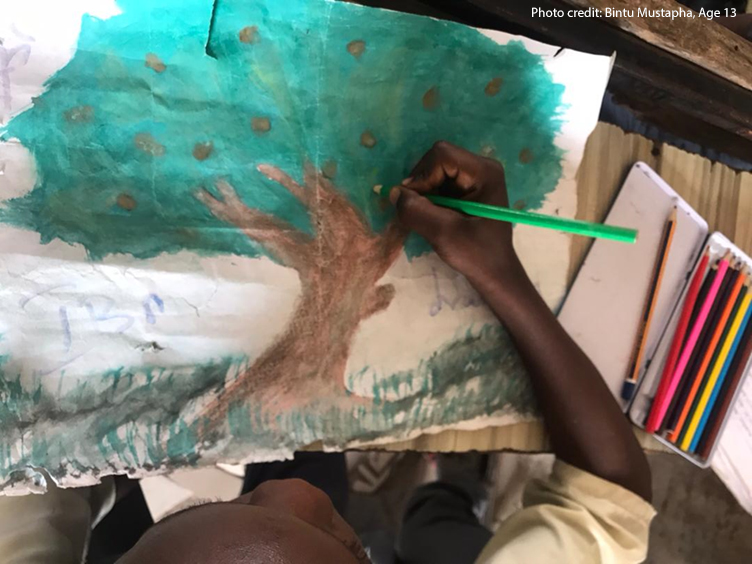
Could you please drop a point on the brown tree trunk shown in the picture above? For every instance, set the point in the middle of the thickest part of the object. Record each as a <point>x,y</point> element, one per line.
<point>339,271</point>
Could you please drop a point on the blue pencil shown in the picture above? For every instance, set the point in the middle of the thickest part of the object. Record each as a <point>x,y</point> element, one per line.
<point>719,382</point>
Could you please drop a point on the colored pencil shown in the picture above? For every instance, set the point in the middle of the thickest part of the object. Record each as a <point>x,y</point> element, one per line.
<point>738,369</point>
<point>575,226</point>
<point>661,259</point>
<point>691,403</point>
<point>709,371</point>
<point>718,325</point>
<point>718,388</point>
<point>685,381</point>
<point>707,283</point>
<point>708,390</point>
<point>692,340</point>
<point>681,329</point>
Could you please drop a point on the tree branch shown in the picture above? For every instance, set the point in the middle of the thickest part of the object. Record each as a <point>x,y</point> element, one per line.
<point>378,301</point>
<point>284,179</point>
<point>288,245</point>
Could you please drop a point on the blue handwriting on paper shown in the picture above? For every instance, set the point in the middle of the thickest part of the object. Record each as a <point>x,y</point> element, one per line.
<point>101,310</point>
<point>150,318</point>
<point>456,294</point>
<point>20,56</point>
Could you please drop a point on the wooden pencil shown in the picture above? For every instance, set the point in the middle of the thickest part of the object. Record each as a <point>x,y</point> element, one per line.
<point>691,298</point>
<point>708,389</point>
<point>693,336</point>
<point>718,387</point>
<point>717,328</point>
<point>674,408</point>
<point>630,383</point>
<point>730,385</point>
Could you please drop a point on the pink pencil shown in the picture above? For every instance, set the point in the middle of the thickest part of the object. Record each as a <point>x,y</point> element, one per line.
<point>694,335</point>
<point>681,330</point>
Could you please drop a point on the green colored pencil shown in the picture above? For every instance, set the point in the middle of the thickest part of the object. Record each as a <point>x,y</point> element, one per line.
<point>584,228</point>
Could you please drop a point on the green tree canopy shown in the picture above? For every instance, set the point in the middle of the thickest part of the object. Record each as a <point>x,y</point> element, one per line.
<point>169,96</point>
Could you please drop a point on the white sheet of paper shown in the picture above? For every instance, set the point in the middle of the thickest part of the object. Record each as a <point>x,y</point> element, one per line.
<point>733,456</point>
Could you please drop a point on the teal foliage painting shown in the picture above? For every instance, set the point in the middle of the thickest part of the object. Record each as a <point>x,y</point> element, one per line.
<point>259,128</point>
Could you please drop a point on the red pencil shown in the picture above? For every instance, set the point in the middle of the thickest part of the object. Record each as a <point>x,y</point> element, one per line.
<point>673,356</point>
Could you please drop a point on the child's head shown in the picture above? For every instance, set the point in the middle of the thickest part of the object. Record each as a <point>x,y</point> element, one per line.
<point>280,522</point>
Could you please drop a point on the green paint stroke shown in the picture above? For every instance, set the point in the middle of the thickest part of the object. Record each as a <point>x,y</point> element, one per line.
<point>125,133</point>
<point>143,420</point>
<point>130,418</point>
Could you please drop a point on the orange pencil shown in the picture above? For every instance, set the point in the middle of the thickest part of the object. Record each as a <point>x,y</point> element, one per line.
<point>674,435</point>
<point>630,383</point>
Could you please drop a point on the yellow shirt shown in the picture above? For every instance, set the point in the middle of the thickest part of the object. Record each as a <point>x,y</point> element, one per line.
<point>573,517</point>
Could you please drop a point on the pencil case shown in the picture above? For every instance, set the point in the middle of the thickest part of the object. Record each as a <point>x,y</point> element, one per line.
<point>604,308</point>
<point>716,245</point>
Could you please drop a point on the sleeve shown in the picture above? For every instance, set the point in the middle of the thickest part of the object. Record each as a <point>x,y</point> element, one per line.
<point>54,527</point>
<point>573,517</point>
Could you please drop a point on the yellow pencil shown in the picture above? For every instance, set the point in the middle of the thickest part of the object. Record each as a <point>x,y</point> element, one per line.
<point>708,389</point>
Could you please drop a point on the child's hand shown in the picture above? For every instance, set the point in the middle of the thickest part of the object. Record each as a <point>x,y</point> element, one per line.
<point>476,247</point>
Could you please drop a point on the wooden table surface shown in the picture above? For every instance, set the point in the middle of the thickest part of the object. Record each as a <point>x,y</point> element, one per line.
<point>721,195</point>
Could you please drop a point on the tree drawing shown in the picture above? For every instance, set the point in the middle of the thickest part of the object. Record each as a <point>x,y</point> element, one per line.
<point>258,128</point>
<point>339,268</point>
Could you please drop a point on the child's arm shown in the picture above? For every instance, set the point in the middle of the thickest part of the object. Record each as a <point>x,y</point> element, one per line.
<point>586,426</point>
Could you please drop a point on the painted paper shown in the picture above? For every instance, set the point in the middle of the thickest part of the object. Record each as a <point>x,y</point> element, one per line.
<point>195,267</point>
